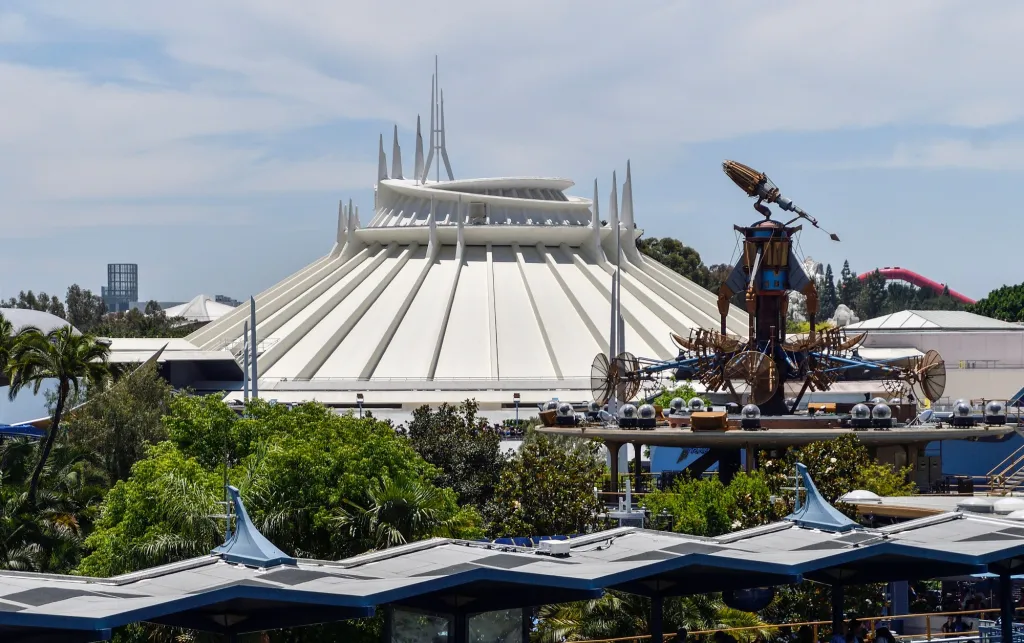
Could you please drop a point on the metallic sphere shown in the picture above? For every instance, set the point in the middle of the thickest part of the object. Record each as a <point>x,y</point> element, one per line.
<point>881,411</point>
<point>565,410</point>
<point>751,412</point>
<point>995,407</point>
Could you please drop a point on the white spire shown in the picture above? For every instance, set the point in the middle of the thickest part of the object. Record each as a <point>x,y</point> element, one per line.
<point>342,223</point>
<point>437,142</point>
<point>613,214</point>
<point>432,243</point>
<point>396,158</point>
<point>459,224</point>
<point>444,149</point>
<point>627,201</point>
<point>628,222</point>
<point>418,170</point>
<point>382,161</point>
<point>433,126</point>
<point>594,241</point>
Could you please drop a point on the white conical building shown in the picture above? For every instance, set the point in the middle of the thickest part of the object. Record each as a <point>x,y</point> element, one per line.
<point>456,289</point>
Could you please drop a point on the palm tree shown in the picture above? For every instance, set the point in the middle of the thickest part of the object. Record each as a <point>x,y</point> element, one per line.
<point>618,614</point>
<point>399,511</point>
<point>58,355</point>
<point>9,337</point>
<point>47,537</point>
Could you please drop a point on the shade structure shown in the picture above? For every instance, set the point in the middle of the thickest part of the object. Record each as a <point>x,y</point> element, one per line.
<point>459,288</point>
<point>249,585</point>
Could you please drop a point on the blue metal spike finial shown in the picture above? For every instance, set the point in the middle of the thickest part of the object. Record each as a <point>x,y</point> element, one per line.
<point>246,545</point>
<point>815,512</point>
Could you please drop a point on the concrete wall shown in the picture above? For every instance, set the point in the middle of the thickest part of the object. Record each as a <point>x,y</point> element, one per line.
<point>1004,348</point>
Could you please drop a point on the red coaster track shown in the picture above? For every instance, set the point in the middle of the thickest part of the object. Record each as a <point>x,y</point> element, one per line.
<point>911,277</point>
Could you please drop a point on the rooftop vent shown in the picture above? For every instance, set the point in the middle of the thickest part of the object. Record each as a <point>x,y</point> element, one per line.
<point>558,548</point>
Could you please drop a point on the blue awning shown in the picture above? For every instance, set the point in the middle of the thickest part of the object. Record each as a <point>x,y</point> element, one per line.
<point>21,431</point>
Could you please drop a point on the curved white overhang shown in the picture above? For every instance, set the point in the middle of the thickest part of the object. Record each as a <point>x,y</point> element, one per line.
<point>528,182</point>
<point>573,236</point>
<point>431,191</point>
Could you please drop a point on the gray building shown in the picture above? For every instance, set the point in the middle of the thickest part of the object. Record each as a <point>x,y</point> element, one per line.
<point>122,287</point>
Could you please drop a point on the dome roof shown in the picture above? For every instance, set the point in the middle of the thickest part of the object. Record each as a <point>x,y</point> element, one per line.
<point>465,288</point>
<point>44,321</point>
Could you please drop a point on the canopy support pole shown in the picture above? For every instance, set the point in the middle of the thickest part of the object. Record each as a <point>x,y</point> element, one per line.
<point>613,464</point>
<point>1006,606</point>
<point>657,623</point>
<point>837,609</point>
<point>638,465</point>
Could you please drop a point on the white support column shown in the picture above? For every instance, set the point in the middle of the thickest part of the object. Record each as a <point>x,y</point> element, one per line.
<point>536,311</point>
<point>595,331</point>
<point>433,250</point>
<point>325,350</point>
<point>460,258</point>
<point>492,313</point>
<point>289,341</point>
<point>628,317</point>
<point>213,335</point>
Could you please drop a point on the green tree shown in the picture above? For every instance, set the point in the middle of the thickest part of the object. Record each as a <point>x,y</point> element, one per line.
<point>134,323</point>
<point>706,507</point>
<point>619,615</point>
<point>297,470</point>
<point>684,390</point>
<point>46,536</point>
<point>849,286</point>
<point>459,443</point>
<point>677,257</point>
<point>837,466</point>
<point>118,423</point>
<point>828,296</point>
<point>84,308</point>
<point>60,355</point>
<point>42,302</point>
<point>547,489</point>
<point>1005,302</point>
<point>871,300</point>
<point>9,338</point>
<point>402,511</point>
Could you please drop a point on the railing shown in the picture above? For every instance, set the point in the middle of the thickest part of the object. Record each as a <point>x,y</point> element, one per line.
<point>988,633</point>
<point>1008,475</point>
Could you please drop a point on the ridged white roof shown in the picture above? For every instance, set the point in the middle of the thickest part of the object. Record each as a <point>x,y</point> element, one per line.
<point>200,308</point>
<point>463,289</point>
<point>934,320</point>
<point>461,309</point>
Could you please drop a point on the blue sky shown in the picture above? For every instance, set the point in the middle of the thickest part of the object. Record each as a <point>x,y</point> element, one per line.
<point>210,142</point>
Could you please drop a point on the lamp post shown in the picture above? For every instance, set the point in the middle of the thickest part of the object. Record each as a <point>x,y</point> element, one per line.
<point>515,398</point>
<point>359,401</point>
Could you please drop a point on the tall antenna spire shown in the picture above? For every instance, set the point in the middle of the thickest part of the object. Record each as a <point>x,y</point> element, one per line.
<point>433,128</point>
<point>396,158</point>
<point>437,130</point>
<point>418,169</point>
